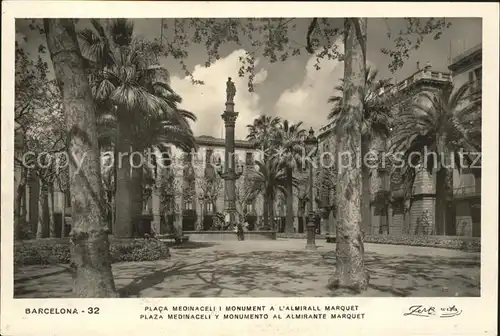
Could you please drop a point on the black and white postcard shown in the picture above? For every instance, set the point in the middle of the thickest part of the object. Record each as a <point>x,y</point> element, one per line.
<point>227,167</point>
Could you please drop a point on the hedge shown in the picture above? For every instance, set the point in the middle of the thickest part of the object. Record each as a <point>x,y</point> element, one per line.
<point>57,251</point>
<point>471,244</point>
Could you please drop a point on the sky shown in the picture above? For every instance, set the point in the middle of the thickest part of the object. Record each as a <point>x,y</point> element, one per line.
<point>293,89</point>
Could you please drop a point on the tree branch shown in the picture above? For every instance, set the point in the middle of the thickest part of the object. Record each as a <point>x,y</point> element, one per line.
<point>359,36</point>
<point>310,30</point>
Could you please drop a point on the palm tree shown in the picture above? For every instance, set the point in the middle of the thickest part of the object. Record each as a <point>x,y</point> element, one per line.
<point>375,127</point>
<point>446,122</point>
<point>268,180</point>
<point>290,138</point>
<point>155,133</point>
<point>127,81</point>
<point>262,132</point>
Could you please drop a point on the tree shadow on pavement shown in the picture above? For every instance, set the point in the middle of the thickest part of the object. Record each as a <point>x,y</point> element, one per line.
<point>229,274</point>
<point>207,272</point>
<point>421,276</point>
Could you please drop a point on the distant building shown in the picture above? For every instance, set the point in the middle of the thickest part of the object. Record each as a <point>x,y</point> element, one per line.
<point>196,204</point>
<point>197,209</point>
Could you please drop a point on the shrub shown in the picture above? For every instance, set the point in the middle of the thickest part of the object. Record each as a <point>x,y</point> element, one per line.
<point>57,251</point>
<point>471,244</point>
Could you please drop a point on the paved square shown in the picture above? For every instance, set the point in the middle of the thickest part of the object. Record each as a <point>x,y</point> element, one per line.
<point>271,269</point>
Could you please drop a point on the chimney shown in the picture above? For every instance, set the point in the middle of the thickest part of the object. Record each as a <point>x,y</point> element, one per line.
<point>418,65</point>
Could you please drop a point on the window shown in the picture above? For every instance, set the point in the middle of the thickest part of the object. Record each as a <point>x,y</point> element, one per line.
<point>166,159</point>
<point>249,158</point>
<point>208,155</point>
<point>188,205</point>
<point>68,199</point>
<point>209,207</point>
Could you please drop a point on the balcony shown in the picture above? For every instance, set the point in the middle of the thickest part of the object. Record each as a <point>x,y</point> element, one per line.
<point>423,74</point>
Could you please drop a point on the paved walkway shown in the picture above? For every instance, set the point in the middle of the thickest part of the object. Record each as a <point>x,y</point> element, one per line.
<point>271,269</point>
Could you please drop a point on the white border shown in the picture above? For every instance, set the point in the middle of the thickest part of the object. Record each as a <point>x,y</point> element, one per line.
<point>382,314</point>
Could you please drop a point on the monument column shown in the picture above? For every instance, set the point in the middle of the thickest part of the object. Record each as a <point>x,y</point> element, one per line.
<point>229,174</point>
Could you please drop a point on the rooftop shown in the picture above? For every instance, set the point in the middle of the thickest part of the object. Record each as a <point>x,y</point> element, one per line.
<point>426,74</point>
<point>469,56</point>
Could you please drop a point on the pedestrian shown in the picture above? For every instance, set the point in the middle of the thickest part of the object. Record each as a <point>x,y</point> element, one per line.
<point>239,232</point>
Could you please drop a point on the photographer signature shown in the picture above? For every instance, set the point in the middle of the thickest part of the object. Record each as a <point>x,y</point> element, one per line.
<point>430,311</point>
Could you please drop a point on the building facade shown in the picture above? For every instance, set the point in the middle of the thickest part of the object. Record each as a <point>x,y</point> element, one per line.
<point>465,205</point>
<point>415,215</point>
<point>197,190</point>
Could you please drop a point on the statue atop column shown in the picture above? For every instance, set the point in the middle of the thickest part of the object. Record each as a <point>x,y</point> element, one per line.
<point>230,90</point>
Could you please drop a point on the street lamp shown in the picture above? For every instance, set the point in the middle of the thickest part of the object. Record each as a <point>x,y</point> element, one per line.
<point>311,144</point>
<point>229,172</point>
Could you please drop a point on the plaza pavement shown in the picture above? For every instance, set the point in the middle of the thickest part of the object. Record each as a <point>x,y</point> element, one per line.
<point>271,269</point>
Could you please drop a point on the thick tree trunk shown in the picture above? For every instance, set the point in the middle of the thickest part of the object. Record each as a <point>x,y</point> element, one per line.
<point>289,201</point>
<point>90,257</point>
<point>350,268</point>
<point>50,206</point>
<point>41,209</point>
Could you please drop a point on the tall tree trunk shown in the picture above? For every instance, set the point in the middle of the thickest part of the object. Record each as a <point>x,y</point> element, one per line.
<point>34,195</point>
<point>441,186</point>
<point>19,207</point>
<point>266,212</point>
<point>90,257</point>
<point>366,190</point>
<point>128,200</point>
<point>271,212</point>
<point>41,209</point>
<point>63,215</point>
<point>377,210</point>
<point>350,268</point>
<point>441,195</point>
<point>50,206</point>
<point>109,213</point>
<point>289,200</point>
<point>137,176</point>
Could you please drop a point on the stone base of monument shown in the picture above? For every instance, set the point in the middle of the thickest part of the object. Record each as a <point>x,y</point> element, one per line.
<point>228,235</point>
